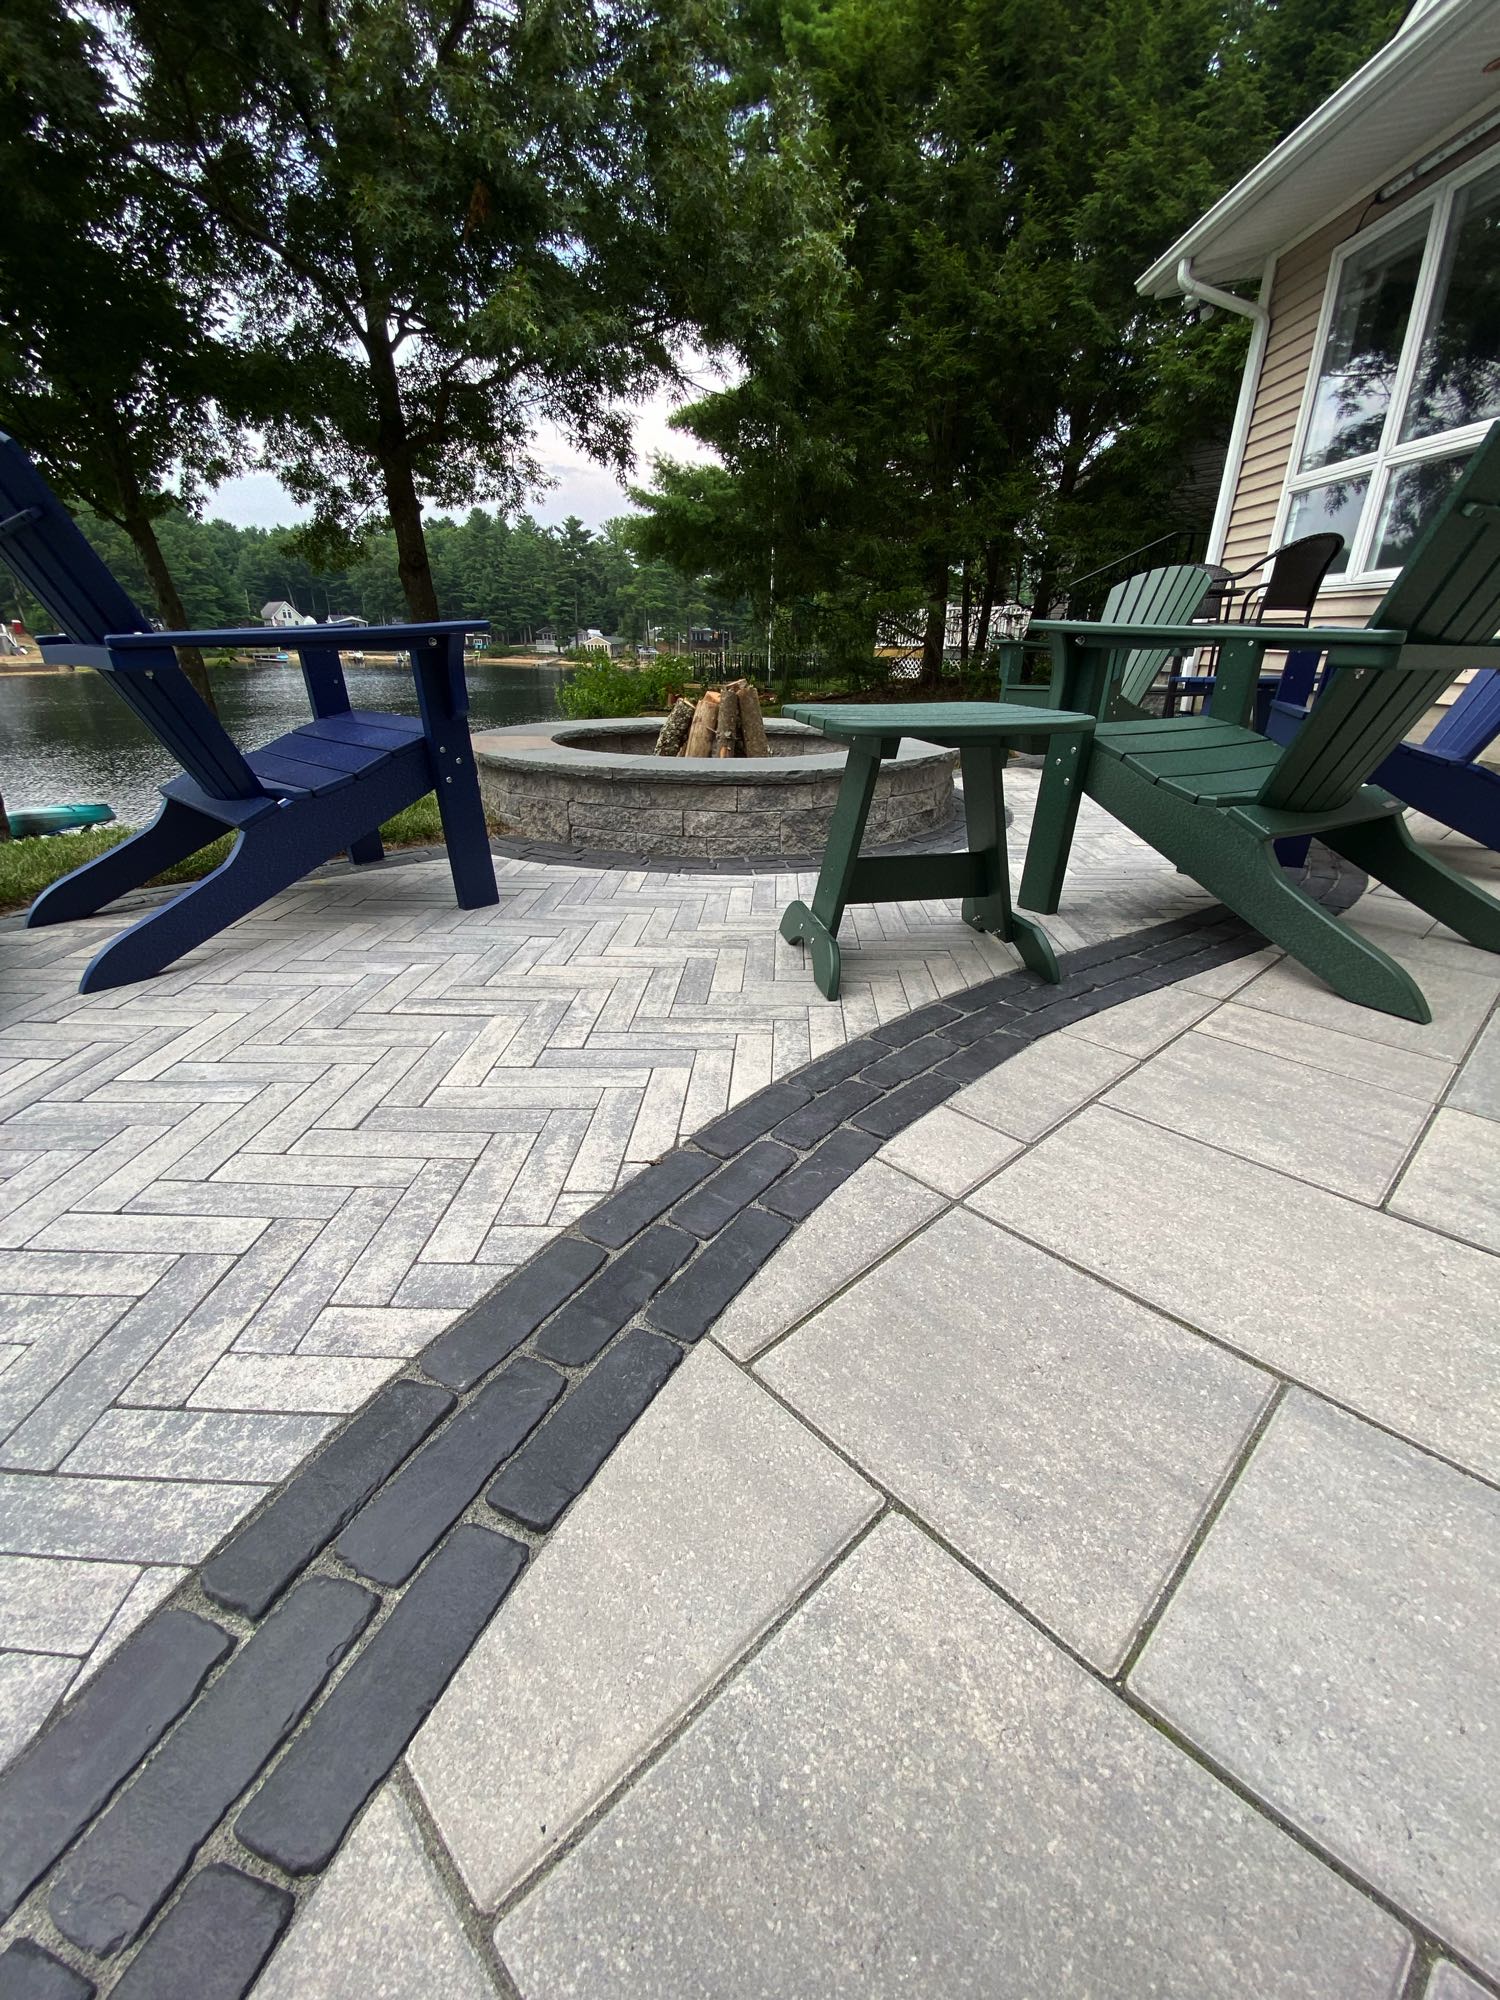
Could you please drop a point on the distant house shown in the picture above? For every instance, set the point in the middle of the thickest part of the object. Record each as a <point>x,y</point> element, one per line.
<point>280,612</point>
<point>595,641</point>
<point>1374,368</point>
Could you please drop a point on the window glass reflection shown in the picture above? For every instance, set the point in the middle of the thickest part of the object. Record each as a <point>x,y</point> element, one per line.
<point>1411,499</point>
<point>1458,369</point>
<point>1335,506</point>
<point>1363,348</point>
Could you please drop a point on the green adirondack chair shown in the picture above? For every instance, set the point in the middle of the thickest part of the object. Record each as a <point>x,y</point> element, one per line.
<point>1213,795</point>
<point>1168,596</point>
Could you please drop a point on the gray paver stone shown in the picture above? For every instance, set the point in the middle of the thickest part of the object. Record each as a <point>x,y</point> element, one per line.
<point>713,1514</point>
<point>910,1790</point>
<point>1333,1645</point>
<point>1347,1300</point>
<point>378,1924</point>
<point>1064,1438</point>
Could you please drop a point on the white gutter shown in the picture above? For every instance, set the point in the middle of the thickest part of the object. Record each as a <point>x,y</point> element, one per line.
<point>1258,312</point>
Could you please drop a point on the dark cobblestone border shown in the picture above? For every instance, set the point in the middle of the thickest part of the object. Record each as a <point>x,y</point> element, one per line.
<point>156,1838</point>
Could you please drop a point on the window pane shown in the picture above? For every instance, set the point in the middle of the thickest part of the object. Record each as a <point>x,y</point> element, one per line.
<point>1411,499</point>
<point>1458,369</point>
<point>1370,314</point>
<point>1333,507</point>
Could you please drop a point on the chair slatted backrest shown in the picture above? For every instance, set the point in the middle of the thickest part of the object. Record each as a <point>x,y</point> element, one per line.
<point>1167,596</point>
<point>1472,723</point>
<point>42,543</point>
<point>1447,597</point>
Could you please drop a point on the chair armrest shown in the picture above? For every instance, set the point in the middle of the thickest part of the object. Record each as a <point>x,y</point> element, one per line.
<point>1267,637</point>
<point>294,638</point>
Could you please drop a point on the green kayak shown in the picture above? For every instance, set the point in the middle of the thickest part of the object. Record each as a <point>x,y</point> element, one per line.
<point>28,821</point>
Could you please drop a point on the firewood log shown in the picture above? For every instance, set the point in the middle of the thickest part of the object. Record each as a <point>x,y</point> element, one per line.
<point>700,737</point>
<point>726,731</point>
<point>673,732</point>
<point>752,727</point>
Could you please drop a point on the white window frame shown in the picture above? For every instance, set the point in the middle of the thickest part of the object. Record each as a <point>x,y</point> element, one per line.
<point>1390,454</point>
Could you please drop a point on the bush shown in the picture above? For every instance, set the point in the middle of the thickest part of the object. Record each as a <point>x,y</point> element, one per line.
<point>605,688</point>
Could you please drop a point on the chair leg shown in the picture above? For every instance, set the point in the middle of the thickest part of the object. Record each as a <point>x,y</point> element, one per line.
<point>1384,848</point>
<point>1255,887</point>
<point>1241,869</point>
<point>175,833</point>
<point>1052,827</point>
<point>369,847</point>
<point>468,838</point>
<point>264,860</point>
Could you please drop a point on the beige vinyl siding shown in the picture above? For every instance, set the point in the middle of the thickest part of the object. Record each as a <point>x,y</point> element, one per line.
<point>1296,305</point>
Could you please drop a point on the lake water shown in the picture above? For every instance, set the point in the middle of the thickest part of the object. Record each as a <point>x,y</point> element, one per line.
<point>68,738</point>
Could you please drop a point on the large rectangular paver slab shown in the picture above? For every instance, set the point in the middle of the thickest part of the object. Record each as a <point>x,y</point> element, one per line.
<point>871,1213</point>
<point>1334,1050</point>
<point>1478,1085</point>
<point>1372,1310</point>
<point>1347,1136</point>
<point>713,1514</point>
<point>911,1791</point>
<point>1453,1181</point>
<point>379,1923</point>
<point>1460,996</point>
<point>1047,1080</point>
<point>1063,1437</point>
<point>1333,1644</point>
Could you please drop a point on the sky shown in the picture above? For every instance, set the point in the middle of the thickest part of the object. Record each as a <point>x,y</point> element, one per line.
<point>258,500</point>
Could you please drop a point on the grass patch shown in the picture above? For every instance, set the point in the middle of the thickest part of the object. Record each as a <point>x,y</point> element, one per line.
<point>29,866</point>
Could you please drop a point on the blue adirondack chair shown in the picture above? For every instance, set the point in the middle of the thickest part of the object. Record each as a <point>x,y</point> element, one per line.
<point>1440,776</point>
<point>313,793</point>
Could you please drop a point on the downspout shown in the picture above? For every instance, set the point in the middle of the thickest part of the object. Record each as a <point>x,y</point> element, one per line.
<point>1259,313</point>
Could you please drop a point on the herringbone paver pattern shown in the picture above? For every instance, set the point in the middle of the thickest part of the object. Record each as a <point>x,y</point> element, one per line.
<point>235,1201</point>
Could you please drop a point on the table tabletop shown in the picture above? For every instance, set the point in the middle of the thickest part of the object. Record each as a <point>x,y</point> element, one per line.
<point>951,724</point>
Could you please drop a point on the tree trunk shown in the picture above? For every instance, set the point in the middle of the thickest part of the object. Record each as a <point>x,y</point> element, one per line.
<point>936,632</point>
<point>168,602</point>
<point>4,822</point>
<point>393,447</point>
<point>987,595</point>
<point>963,637</point>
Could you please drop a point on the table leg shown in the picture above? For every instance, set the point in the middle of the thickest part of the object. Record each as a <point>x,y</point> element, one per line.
<point>983,766</point>
<point>818,927</point>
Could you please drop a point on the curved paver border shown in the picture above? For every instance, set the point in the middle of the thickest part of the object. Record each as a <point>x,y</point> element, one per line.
<point>210,1771</point>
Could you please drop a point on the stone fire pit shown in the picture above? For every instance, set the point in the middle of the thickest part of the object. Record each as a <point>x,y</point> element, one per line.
<point>596,785</point>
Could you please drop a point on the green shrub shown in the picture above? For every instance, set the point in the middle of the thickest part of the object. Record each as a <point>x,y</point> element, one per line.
<point>605,688</point>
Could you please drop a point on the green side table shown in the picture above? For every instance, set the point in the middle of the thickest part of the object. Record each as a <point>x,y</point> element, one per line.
<point>980,732</point>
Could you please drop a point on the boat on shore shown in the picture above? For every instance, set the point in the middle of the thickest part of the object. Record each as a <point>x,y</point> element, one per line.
<point>26,822</point>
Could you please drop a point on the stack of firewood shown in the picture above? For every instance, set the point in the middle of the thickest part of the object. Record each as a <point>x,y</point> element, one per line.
<point>725,723</point>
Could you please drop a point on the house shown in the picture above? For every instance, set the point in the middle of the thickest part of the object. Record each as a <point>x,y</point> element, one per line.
<point>280,612</point>
<point>1373,231</point>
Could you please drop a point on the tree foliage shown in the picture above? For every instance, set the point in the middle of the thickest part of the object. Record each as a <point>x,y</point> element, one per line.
<point>988,395</point>
<point>517,575</point>
<point>441,220</point>
<point>108,357</point>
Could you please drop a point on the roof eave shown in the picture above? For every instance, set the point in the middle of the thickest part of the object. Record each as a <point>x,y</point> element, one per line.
<point>1407,50</point>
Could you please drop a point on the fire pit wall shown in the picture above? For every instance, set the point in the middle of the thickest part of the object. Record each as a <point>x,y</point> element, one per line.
<point>596,785</point>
